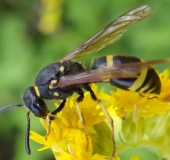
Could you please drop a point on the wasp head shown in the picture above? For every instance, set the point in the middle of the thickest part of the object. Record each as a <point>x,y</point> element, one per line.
<point>34,102</point>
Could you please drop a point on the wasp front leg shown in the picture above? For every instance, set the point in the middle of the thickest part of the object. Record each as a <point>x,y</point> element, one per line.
<point>50,116</point>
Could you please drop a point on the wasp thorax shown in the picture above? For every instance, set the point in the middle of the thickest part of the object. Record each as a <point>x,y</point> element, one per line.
<point>48,73</point>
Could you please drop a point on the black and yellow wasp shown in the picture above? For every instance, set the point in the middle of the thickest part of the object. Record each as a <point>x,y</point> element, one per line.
<point>61,79</point>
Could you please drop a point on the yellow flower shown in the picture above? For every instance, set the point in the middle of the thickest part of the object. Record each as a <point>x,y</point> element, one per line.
<point>146,118</point>
<point>144,105</point>
<point>67,139</point>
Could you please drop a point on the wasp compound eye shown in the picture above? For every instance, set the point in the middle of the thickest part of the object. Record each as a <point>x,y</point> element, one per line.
<point>34,103</point>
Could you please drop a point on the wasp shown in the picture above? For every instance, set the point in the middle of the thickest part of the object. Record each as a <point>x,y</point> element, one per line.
<point>61,79</point>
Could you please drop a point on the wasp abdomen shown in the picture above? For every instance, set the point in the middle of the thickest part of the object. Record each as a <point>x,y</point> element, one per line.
<point>147,81</point>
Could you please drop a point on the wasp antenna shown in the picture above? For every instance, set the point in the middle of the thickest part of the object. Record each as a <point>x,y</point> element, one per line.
<point>27,144</point>
<point>5,108</point>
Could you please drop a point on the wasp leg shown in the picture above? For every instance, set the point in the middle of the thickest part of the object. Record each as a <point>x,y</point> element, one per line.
<point>59,108</point>
<point>79,99</point>
<point>51,116</point>
<point>27,144</point>
<point>106,113</point>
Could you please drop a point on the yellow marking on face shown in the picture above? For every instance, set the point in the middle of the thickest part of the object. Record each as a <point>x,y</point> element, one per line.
<point>37,91</point>
<point>53,83</point>
<point>61,61</point>
<point>62,68</point>
<point>139,81</point>
<point>56,94</point>
<point>109,60</point>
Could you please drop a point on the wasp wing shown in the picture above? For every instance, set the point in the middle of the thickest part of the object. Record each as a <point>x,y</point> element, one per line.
<point>110,33</point>
<point>127,70</point>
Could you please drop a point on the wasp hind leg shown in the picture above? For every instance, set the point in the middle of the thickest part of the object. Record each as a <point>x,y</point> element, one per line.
<point>52,115</point>
<point>79,99</point>
<point>106,113</point>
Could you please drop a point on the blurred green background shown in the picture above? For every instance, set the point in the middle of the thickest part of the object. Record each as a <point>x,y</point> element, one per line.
<point>25,48</point>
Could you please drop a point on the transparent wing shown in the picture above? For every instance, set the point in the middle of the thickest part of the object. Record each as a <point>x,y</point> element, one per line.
<point>127,70</point>
<point>110,33</point>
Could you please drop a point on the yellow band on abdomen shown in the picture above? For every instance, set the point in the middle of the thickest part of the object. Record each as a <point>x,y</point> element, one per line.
<point>139,81</point>
<point>109,60</point>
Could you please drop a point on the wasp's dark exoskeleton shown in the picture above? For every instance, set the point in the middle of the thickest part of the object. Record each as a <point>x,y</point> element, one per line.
<point>61,79</point>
